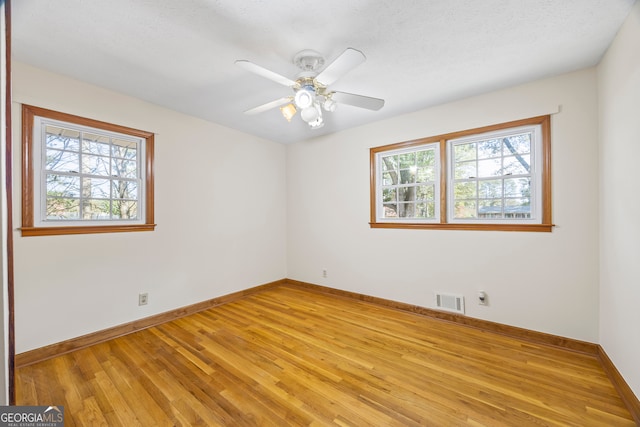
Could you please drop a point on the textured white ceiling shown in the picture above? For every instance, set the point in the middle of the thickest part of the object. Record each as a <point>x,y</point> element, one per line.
<point>180,53</point>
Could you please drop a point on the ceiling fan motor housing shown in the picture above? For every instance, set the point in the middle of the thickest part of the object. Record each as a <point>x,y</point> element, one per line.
<point>308,60</point>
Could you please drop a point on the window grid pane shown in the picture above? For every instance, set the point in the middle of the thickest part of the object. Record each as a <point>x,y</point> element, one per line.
<point>90,176</point>
<point>492,178</point>
<point>407,187</point>
<point>62,139</point>
<point>62,161</point>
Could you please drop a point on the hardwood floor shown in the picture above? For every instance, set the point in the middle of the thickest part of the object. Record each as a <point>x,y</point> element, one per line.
<point>289,356</point>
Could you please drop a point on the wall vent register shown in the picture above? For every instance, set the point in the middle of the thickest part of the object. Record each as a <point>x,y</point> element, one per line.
<point>449,302</point>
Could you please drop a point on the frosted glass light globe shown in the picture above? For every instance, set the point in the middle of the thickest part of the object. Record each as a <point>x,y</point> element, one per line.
<point>303,98</point>
<point>310,114</point>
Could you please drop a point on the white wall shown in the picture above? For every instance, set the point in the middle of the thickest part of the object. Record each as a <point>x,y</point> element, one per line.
<point>220,206</point>
<point>542,281</point>
<point>619,98</point>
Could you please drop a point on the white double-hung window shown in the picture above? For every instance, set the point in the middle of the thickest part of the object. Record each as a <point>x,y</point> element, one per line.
<point>493,178</point>
<point>84,176</point>
<point>408,184</point>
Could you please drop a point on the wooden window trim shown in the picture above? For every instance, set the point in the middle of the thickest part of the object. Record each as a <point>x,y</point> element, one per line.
<point>29,113</point>
<point>546,224</point>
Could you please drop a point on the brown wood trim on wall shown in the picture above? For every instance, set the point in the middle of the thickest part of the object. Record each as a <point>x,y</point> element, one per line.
<point>11,350</point>
<point>546,224</point>
<point>459,226</point>
<point>89,229</point>
<point>499,328</point>
<point>58,349</point>
<point>29,228</point>
<point>625,392</point>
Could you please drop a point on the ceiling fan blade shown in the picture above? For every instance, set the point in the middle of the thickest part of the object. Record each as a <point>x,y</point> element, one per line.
<point>263,72</point>
<point>347,61</point>
<point>269,105</point>
<point>358,100</point>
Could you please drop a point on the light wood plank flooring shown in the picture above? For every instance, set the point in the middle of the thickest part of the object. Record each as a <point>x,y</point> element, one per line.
<point>289,356</point>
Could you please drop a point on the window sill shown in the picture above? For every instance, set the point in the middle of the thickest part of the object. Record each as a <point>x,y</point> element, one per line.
<point>478,227</point>
<point>88,229</point>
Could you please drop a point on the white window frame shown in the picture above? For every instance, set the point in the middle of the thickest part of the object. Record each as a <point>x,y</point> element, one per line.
<point>380,187</point>
<point>40,173</point>
<point>534,173</point>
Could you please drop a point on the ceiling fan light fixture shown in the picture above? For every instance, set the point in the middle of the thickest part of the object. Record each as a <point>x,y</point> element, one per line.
<point>288,111</point>
<point>311,93</point>
<point>310,114</point>
<point>329,105</point>
<point>304,98</point>
<point>317,123</point>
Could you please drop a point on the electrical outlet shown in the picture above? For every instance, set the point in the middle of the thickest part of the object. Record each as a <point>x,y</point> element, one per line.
<point>324,273</point>
<point>143,299</point>
<point>483,298</point>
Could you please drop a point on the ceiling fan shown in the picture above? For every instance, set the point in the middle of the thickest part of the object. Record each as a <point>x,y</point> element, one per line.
<point>311,93</point>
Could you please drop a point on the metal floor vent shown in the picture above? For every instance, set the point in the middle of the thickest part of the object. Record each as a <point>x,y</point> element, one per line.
<point>450,302</point>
